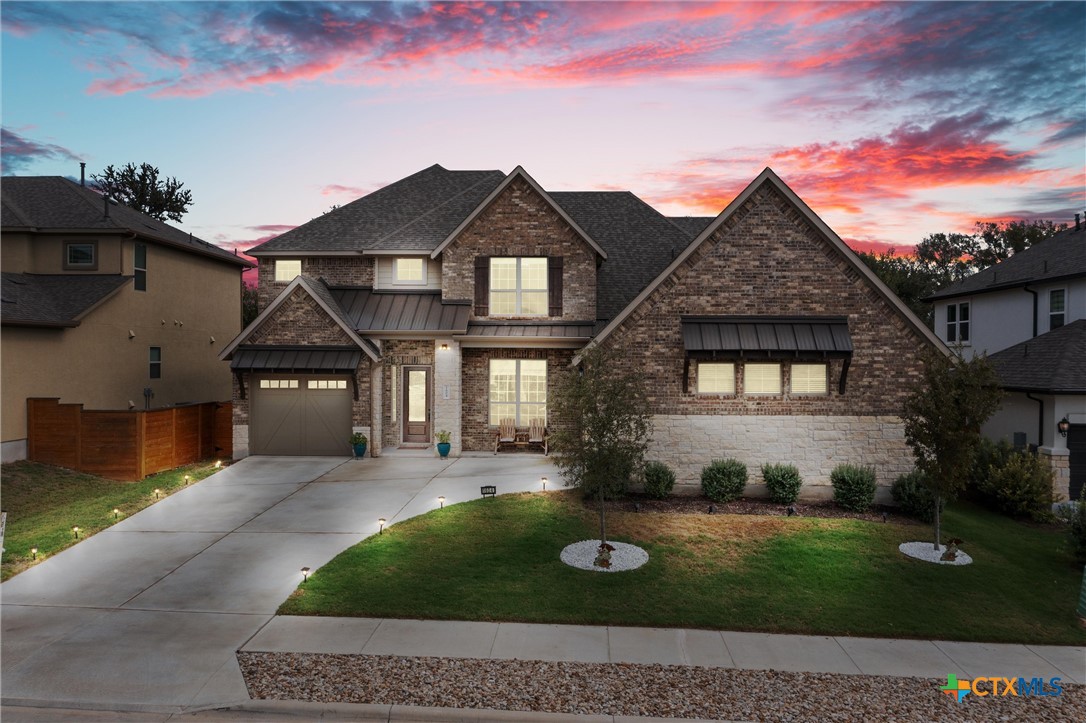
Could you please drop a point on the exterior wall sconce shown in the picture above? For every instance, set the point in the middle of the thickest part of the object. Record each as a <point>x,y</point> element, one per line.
<point>444,347</point>
<point>1063,426</point>
<point>544,481</point>
<point>381,529</point>
<point>441,499</point>
<point>305,574</point>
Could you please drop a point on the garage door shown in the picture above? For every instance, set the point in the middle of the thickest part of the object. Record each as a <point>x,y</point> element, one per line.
<point>300,415</point>
<point>1076,444</point>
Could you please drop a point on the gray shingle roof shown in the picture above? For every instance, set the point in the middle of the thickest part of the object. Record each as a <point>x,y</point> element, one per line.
<point>691,225</point>
<point>1054,362</point>
<point>414,213</point>
<point>53,300</point>
<point>1058,257</point>
<point>50,203</point>
<point>373,312</point>
<point>639,241</point>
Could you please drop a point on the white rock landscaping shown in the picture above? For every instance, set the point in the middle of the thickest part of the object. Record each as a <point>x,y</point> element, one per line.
<point>926,552</point>
<point>582,555</point>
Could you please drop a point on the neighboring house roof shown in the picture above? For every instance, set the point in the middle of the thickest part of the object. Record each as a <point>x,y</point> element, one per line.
<point>640,242</point>
<point>691,225</point>
<point>55,299</point>
<point>1054,363</point>
<point>1060,257</point>
<point>371,312</point>
<point>520,173</point>
<point>296,360</point>
<point>54,204</point>
<point>762,336</point>
<point>415,213</point>
<point>767,176</point>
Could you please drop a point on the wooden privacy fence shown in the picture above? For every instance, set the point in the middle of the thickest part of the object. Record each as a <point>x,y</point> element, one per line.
<point>129,444</point>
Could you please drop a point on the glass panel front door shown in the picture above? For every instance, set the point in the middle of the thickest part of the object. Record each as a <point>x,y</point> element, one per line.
<point>416,388</point>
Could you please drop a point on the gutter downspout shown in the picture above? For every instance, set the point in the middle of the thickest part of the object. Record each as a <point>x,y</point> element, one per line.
<point>1040,416</point>
<point>1026,288</point>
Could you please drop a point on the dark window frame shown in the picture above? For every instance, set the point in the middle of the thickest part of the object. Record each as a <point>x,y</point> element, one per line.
<point>958,323</point>
<point>154,364</point>
<point>139,268</point>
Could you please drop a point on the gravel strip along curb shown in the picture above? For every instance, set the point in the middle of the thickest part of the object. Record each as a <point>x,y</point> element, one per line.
<point>668,691</point>
<point>582,555</point>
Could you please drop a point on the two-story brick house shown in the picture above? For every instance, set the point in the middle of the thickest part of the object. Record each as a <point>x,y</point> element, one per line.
<point>448,300</point>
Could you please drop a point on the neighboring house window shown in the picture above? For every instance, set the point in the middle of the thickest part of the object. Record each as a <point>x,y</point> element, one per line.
<point>809,379</point>
<point>155,358</point>
<point>1057,306</point>
<point>714,378</point>
<point>762,379</point>
<point>141,267</point>
<point>518,286</point>
<point>957,323</point>
<point>409,271</point>
<point>81,255</point>
<point>287,269</point>
<point>518,391</point>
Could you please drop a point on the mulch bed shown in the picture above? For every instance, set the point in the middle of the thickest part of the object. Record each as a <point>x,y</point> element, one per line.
<point>700,505</point>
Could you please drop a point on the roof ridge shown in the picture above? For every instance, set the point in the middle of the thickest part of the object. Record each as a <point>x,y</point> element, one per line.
<point>74,190</point>
<point>432,209</point>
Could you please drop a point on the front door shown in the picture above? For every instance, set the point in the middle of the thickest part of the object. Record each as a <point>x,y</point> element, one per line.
<point>416,405</point>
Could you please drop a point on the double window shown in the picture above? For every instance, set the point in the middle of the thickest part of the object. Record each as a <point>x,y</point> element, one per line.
<point>518,286</point>
<point>81,255</point>
<point>287,269</point>
<point>141,267</point>
<point>518,391</point>
<point>762,378</point>
<point>957,323</point>
<point>1057,308</point>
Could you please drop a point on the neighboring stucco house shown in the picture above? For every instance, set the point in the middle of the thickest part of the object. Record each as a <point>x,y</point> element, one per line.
<point>449,299</point>
<point>101,302</point>
<point>1027,313</point>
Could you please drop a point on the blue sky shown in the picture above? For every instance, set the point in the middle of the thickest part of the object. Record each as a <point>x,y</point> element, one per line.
<point>892,120</point>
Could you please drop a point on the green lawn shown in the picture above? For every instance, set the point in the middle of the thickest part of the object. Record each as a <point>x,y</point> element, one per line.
<point>44,503</point>
<point>497,559</point>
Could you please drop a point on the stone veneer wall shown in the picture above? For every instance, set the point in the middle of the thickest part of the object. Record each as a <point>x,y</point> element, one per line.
<point>447,412</point>
<point>520,223</point>
<point>1060,464</point>
<point>813,443</point>
<point>344,270</point>
<point>476,431</point>
<point>395,353</point>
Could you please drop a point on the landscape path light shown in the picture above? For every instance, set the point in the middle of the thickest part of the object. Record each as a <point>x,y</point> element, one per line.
<point>33,553</point>
<point>381,522</point>
<point>305,574</point>
<point>544,481</point>
<point>75,531</point>
<point>441,499</point>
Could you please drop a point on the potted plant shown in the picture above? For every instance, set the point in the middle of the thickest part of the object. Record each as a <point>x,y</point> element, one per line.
<point>358,441</point>
<point>443,444</point>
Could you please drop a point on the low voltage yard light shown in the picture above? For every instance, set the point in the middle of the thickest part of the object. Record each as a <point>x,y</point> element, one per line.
<point>188,479</point>
<point>305,574</point>
<point>75,531</point>
<point>381,522</point>
<point>158,493</point>
<point>1064,425</point>
<point>544,481</point>
<point>116,513</point>
<point>441,500</point>
<point>33,553</point>
<point>218,464</point>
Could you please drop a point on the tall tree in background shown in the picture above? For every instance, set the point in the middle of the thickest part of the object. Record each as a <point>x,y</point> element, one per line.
<point>911,280</point>
<point>140,188</point>
<point>249,308</point>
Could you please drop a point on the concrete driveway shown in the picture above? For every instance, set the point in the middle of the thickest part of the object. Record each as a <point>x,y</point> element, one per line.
<point>147,615</point>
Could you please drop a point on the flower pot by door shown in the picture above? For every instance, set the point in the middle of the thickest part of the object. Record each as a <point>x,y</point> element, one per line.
<point>443,449</point>
<point>360,450</point>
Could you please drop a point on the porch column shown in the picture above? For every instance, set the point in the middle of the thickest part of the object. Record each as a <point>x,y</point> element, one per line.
<point>447,391</point>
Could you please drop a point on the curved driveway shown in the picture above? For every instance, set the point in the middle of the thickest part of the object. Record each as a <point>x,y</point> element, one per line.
<point>148,614</point>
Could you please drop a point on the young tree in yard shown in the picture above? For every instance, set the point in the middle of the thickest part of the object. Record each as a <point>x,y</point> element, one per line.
<point>140,188</point>
<point>604,426</point>
<point>943,416</point>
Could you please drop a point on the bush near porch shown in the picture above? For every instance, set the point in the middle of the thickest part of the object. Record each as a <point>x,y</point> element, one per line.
<point>497,559</point>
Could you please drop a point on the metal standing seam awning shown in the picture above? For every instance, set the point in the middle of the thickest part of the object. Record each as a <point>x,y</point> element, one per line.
<point>296,360</point>
<point>767,337</point>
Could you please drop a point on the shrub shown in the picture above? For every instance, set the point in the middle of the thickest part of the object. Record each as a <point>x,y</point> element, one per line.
<point>1022,487</point>
<point>1077,529</point>
<point>989,454</point>
<point>783,482</point>
<point>659,480</point>
<point>723,480</point>
<point>853,486</point>
<point>914,498</point>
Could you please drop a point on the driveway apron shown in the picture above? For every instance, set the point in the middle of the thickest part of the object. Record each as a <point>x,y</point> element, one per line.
<point>148,614</point>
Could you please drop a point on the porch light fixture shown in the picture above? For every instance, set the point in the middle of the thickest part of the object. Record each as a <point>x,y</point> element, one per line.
<point>33,553</point>
<point>381,522</point>
<point>441,500</point>
<point>544,481</point>
<point>1063,425</point>
<point>75,531</point>
<point>305,574</point>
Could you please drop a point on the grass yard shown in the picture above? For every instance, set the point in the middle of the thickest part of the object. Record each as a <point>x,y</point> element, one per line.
<point>44,503</point>
<point>497,559</point>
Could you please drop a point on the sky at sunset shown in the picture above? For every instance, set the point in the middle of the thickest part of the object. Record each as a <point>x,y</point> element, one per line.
<point>892,120</point>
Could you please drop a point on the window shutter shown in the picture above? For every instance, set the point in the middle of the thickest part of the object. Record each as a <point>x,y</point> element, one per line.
<point>482,286</point>
<point>554,285</point>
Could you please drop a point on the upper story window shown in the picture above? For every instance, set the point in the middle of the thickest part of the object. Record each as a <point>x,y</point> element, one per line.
<point>518,286</point>
<point>957,323</point>
<point>81,255</point>
<point>1057,308</point>
<point>762,378</point>
<point>409,271</point>
<point>716,378</point>
<point>155,362</point>
<point>810,379</point>
<point>287,269</point>
<point>141,267</point>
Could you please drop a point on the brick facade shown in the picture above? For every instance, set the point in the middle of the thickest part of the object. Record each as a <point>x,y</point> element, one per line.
<point>521,223</point>
<point>476,432</point>
<point>395,353</point>
<point>336,270</point>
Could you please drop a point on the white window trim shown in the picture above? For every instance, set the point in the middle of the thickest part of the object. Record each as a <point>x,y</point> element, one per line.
<point>698,390</point>
<point>396,281</point>
<point>958,324</point>
<point>1053,313</point>
<point>516,392</point>
<point>520,287</point>
<point>275,271</point>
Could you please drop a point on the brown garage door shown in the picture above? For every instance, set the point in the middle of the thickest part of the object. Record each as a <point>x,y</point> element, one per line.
<point>300,415</point>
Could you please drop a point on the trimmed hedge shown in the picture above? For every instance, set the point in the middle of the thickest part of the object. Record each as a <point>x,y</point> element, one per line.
<point>783,482</point>
<point>853,486</point>
<point>723,480</point>
<point>659,480</point>
<point>913,497</point>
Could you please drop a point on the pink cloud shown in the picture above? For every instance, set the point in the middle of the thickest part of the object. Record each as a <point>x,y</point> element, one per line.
<point>335,189</point>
